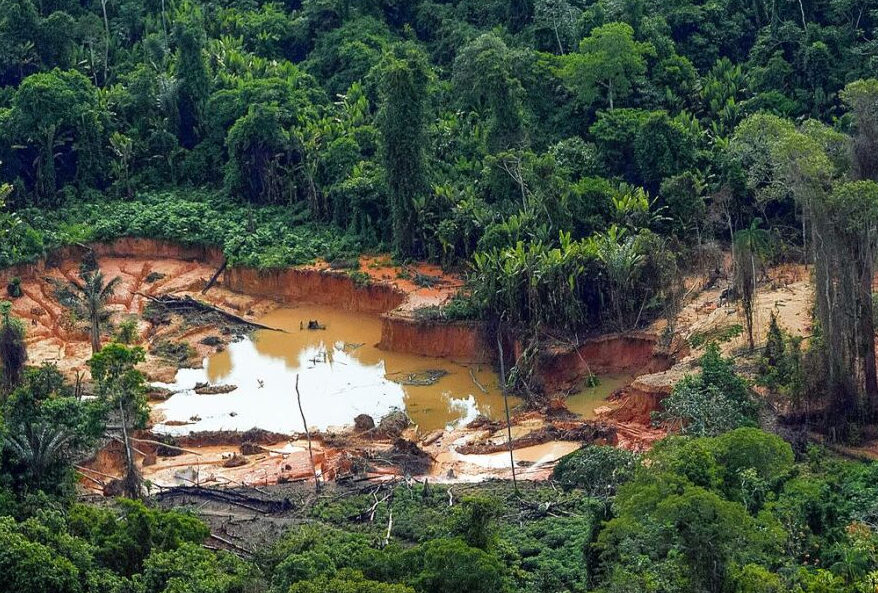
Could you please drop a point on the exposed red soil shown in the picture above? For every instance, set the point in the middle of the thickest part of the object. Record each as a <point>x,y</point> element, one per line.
<point>390,291</point>
<point>54,336</point>
<point>317,286</point>
<point>464,342</point>
<point>561,367</point>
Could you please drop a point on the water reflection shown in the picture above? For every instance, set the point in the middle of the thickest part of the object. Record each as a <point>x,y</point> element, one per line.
<point>341,374</point>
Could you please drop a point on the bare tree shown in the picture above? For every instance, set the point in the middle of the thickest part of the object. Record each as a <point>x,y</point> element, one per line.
<point>307,435</point>
<point>506,405</point>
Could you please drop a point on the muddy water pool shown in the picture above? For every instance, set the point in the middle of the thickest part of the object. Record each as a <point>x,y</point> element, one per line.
<point>341,374</point>
<point>589,398</point>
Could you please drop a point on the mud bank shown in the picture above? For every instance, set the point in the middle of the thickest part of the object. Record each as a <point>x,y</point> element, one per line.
<point>314,286</point>
<point>561,368</point>
<point>380,289</point>
<point>121,248</point>
<point>637,402</point>
<point>149,269</point>
<point>464,342</point>
<point>394,298</point>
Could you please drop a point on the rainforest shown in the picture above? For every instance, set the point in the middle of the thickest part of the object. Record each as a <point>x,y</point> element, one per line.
<point>438,296</point>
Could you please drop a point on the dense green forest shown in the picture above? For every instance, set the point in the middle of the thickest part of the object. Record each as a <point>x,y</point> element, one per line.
<point>574,158</point>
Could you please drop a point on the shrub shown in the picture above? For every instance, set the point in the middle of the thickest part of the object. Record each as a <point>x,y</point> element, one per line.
<point>711,403</point>
<point>450,566</point>
<point>13,289</point>
<point>176,352</point>
<point>596,469</point>
<point>126,333</point>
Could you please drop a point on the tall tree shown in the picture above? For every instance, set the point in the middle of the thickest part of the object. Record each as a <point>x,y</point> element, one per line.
<point>55,112</point>
<point>259,167</point>
<point>13,353</point>
<point>483,81</point>
<point>403,89</point>
<point>91,295</point>
<point>853,212</point>
<point>559,17</point>
<point>861,99</point>
<point>750,248</point>
<point>783,160</point>
<point>608,62</point>
<point>194,81</point>
<point>121,386</point>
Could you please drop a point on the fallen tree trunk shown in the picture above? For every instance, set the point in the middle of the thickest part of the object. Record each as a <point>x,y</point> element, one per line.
<point>251,503</point>
<point>186,303</point>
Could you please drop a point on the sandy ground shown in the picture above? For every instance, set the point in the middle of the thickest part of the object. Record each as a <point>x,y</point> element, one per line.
<point>786,292</point>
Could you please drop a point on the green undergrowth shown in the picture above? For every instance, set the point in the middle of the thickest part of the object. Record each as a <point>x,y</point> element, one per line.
<point>541,535</point>
<point>461,307</point>
<point>259,237</point>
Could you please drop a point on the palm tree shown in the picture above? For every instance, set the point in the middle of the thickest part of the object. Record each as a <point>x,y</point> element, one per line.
<point>752,245</point>
<point>38,447</point>
<point>621,259</point>
<point>90,300</point>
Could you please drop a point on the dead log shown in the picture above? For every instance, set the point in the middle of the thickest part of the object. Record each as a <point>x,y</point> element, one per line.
<point>215,276</point>
<point>231,544</point>
<point>184,303</point>
<point>251,503</point>
<point>94,471</point>
<point>161,444</point>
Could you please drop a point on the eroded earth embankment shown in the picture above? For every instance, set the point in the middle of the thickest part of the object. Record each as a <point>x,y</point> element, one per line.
<point>152,269</point>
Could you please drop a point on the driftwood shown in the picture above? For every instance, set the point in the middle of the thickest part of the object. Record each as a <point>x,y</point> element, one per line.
<point>476,381</point>
<point>215,276</point>
<point>187,303</point>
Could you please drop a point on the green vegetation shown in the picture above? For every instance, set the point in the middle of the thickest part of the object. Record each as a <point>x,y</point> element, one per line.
<point>574,159</point>
<point>13,353</point>
<point>126,332</point>
<point>729,513</point>
<point>89,297</point>
<point>712,402</point>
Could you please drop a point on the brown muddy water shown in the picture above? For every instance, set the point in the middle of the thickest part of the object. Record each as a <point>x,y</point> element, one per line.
<point>341,374</point>
<point>585,402</point>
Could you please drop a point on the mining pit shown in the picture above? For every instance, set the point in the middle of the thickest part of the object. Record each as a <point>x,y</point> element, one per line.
<point>385,391</point>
